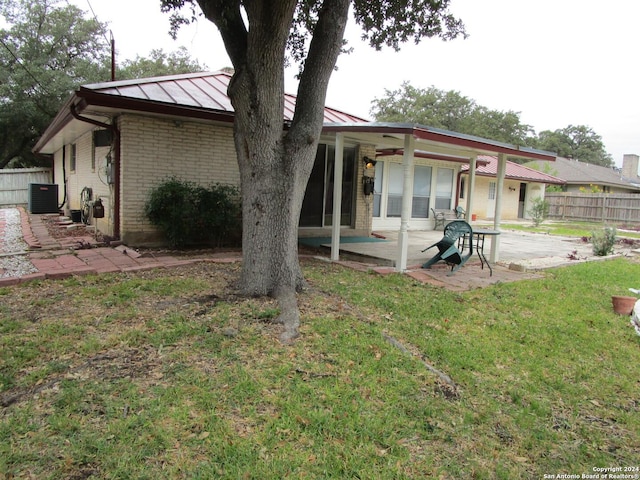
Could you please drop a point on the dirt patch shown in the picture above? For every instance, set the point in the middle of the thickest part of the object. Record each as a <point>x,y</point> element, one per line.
<point>58,228</point>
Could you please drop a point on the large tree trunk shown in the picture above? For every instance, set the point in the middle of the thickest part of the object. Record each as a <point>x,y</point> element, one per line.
<point>273,176</point>
<point>272,193</point>
<point>275,163</point>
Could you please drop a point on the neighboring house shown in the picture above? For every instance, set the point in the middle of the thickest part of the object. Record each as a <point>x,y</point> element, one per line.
<point>522,185</point>
<point>581,177</point>
<point>120,139</point>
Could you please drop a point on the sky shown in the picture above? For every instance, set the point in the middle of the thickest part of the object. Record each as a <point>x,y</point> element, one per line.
<point>557,62</point>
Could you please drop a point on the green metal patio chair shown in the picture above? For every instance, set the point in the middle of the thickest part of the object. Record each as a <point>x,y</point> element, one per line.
<point>458,238</point>
<point>439,219</point>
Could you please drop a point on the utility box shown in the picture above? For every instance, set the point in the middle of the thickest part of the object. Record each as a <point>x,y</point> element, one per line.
<point>43,198</point>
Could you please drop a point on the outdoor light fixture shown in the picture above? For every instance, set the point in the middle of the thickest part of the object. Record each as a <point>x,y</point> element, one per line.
<point>369,163</point>
<point>368,176</point>
<point>512,189</point>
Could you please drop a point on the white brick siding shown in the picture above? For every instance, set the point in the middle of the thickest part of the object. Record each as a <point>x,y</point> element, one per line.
<point>84,176</point>
<point>153,150</point>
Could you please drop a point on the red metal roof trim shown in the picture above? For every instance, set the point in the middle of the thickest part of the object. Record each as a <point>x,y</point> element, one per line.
<point>441,136</point>
<point>514,171</point>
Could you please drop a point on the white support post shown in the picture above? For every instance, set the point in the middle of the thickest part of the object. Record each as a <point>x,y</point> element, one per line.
<point>337,198</point>
<point>472,186</point>
<point>495,240</point>
<point>407,197</point>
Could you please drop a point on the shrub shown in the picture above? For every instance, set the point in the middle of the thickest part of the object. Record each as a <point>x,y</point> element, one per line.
<point>190,214</point>
<point>539,211</point>
<point>219,213</point>
<point>603,241</point>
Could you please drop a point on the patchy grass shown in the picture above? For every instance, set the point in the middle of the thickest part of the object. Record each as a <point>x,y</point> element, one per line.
<point>568,229</point>
<point>167,374</point>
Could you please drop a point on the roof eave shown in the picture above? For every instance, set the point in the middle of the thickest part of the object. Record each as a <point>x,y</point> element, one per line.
<point>58,123</point>
<point>85,98</point>
<point>96,99</point>
<point>519,179</point>
<point>443,136</point>
<point>606,184</point>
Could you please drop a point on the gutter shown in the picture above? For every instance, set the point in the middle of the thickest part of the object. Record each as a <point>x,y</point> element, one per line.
<point>116,184</point>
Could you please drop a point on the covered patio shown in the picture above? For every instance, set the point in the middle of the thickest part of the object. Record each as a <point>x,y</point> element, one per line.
<point>411,141</point>
<point>524,255</point>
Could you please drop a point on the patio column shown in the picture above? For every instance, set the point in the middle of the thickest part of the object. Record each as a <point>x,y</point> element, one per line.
<point>472,186</point>
<point>495,240</point>
<point>337,198</point>
<point>407,198</point>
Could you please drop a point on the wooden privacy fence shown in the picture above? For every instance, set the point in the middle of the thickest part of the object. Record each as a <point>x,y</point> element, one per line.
<point>618,208</point>
<point>14,184</point>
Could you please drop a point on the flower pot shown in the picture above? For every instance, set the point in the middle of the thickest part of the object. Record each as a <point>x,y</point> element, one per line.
<point>623,305</point>
<point>474,217</point>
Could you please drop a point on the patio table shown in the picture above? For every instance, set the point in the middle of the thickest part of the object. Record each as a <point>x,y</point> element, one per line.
<point>480,234</point>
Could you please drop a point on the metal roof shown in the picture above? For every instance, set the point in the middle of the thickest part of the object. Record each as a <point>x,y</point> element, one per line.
<point>203,96</point>
<point>198,96</point>
<point>514,171</point>
<point>205,90</point>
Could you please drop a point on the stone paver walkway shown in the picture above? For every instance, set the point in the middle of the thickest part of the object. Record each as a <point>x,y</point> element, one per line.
<point>56,259</point>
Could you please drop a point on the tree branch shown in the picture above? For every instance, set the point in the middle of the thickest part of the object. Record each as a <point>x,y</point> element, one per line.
<point>324,49</point>
<point>7,157</point>
<point>227,17</point>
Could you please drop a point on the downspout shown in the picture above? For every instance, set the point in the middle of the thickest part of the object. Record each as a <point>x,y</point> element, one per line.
<point>64,176</point>
<point>116,184</point>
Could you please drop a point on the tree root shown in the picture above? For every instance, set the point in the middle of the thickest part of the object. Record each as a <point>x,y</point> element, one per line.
<point>441,375</point>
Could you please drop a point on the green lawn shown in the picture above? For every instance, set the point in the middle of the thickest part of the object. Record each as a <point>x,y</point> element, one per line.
<point>570,229</point>
<point>167,374</point>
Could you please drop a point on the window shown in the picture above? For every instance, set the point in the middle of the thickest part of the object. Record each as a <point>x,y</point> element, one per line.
<point>462,186</point>
<point>72,158</point>
<point>394,195</point>
<point>377,189</point>
<point>421,191</point>
<point>444,188</point>
<point>492,190</point>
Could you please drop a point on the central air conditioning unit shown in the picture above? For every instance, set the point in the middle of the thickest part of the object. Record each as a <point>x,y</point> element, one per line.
<point>43,198</point>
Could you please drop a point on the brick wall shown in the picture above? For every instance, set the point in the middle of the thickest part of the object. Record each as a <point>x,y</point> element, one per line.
<point>154,149</point>
<point>364,204</point>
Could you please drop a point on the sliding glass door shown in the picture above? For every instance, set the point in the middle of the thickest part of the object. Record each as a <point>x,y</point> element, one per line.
<point>317,207</point>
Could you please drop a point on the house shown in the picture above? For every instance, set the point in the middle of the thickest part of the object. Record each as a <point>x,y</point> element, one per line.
<point>522,185</point>
<point>117,140</point>
<point>581,177</point>
<point>120,139</point>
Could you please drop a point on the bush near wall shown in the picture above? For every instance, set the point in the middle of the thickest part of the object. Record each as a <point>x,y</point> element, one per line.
<point>189,214</point>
